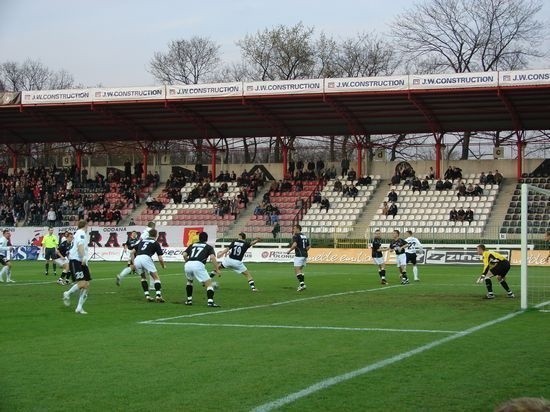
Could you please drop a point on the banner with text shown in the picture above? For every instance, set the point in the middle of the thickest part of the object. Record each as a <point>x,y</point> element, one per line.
<point>366,84</point>
<point>204,90</point>
<point>453,81</point>
<point>56,96</point>
<point>128,93</point>
<point>524,77</point>
<point>283,87</point>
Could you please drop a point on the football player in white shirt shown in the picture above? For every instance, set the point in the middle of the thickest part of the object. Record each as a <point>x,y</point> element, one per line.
<point>5,257</point>
<point>145,235</point>
<point>413,247</point>
<point>78,263</point>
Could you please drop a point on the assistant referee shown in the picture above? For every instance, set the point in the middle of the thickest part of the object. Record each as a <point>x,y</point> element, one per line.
<point>49,247</point>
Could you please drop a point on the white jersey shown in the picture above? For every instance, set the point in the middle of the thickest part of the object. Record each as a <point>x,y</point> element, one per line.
<point>4,248</point>
<point>80,238</point>
<point>413,245</point>
<point>145,233</point>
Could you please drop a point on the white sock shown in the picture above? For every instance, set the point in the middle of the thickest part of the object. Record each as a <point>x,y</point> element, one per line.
<point>73,289</point>
<point>4,269</point>
<point>125,272</point>
<point>8,274</point>
<point>82,298</point>
<point>415,272</point>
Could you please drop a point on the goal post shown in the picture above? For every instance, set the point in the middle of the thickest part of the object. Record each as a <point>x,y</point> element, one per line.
<point>527,284</point>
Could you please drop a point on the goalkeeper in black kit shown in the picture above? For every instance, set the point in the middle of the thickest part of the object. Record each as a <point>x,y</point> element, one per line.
<point>494,264</point>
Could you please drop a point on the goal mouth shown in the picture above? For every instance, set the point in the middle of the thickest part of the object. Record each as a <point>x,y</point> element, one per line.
<point>535,288</point>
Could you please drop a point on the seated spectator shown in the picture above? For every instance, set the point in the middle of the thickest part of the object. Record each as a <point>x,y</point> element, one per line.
<point>396,179</point>
<point>325,204</point>
<point>431,174</point>
<point>478,191</point>
<point>470,190</point>
<point>498,177</point>
<point>274,218</point>
<point>337,186</point>
<point>461,190</point>
<point>482,178</point>
<point>469,215</point>
<point>457,172</point>
<point>416,185</point>
<point>276,229</point>
<point>316,197</point>
<point>392,210</point>
<point>345,190</point>
<point>449,174</point>
<point>243,198</point>
<point>352,175</point>
<point>439,185</point>
<point>299,203</point>
<point>286,186</point>
<point>425,185</point>
<point>299,186</point>
<point>491,178</point>
<point>392,196</point>
<point>364,181</point>
<point>453,215</point>
<point>385,208</point>
<point>131,222</point>
<point>258,210</point>
<point>448,185</point>
<point>460,215</point>
<point>353,191</point>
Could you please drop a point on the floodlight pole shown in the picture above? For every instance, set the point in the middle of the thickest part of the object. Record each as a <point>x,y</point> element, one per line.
<point>524,197</point>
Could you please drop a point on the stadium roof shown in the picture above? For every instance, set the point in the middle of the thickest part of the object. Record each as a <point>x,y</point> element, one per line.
<point>497,108</point>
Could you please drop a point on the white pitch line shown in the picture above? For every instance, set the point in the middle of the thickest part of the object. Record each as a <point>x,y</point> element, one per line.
<point>286,302</point>
<point>238,325</point>
<point>326,383</point>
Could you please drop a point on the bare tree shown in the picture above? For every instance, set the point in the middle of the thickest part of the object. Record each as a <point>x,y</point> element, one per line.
<point>33,75</point>
<point>281,53</point>
<point>470,35</point>
<point>187,61</point>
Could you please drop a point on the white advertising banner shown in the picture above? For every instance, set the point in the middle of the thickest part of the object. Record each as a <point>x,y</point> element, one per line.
<point>453,80</point>
<point>56,96</point>
<point>524,77</point>
<point>194,91</point>
<point>366,84</point>
<point>283,87</point>
<point>128,93</point>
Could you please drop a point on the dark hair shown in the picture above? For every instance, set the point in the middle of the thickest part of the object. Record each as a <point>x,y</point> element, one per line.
<point>396,231</point>
<point>482,246</point>
<point>203,236</point>
<point>242,235</point>
<point>153,233</point>
<point>298,227</point>
<point>409,232</point>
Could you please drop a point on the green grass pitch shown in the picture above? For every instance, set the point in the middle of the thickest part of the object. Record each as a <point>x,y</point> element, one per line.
<point>345,344</point>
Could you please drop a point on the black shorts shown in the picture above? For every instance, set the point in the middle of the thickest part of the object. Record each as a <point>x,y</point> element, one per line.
<point>501,268</point>
<point>49,253</point>
<point>411,258</point>
<point>3,260</point>
<point>79,271</point>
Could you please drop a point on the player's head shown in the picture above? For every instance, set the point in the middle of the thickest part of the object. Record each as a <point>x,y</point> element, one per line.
<point>151,225</point>
<point>297,228</point>
<point>396,234</point>
<point>242,235</point>
<point>409,232</point>
<point>480,249</point>
<point>82,224</point>
<point>69,236</point>
<point>50,230</point>
<point>133,235</point>
<point>153,233</point>
<point>203,237</point>
<point>6,233</point>
<point>377,234</point>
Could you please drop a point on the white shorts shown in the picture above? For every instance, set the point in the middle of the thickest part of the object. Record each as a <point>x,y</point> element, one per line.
<point>401,260</point>
<point>234,264</point>
<point>144,263</point>
<point>196,270</point>
<point>61,261</point>
<point>378,260</point>
<point>299,262</point>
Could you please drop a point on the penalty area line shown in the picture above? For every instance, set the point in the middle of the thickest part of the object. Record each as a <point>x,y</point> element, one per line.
<point>239,325</point>
<point>268,305</point>
<point>327,383</point>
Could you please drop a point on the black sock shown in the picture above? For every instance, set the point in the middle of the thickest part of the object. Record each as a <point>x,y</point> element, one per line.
<point>145,286</point>
<point>189,290</point>
<point>210,293</point>
<point>54,267</point>
<point>47,267</point>
<point>251,284</point>
<point>505,285</point>
<point>404,275</point>
<point>382,273</point>
<point>489,285</point>
<point>301,278</point>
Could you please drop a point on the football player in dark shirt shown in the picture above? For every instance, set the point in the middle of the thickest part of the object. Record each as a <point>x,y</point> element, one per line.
<point>300,246</point>
<point>63,259</point>
<point>233,258</point>
<point>128,246</point>
<point>378,257</point>
<point>143,262</point>
<point>398,245</point>
<point>195,257</point>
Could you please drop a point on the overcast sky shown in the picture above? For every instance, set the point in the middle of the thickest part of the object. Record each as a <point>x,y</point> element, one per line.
<point>111,42</point>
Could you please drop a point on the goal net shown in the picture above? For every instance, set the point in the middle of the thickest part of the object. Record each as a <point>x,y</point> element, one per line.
<point>534,226</point>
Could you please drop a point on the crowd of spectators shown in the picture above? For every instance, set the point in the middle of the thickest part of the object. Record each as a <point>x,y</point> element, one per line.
<point>461,215</point>
<point>56,196</point>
